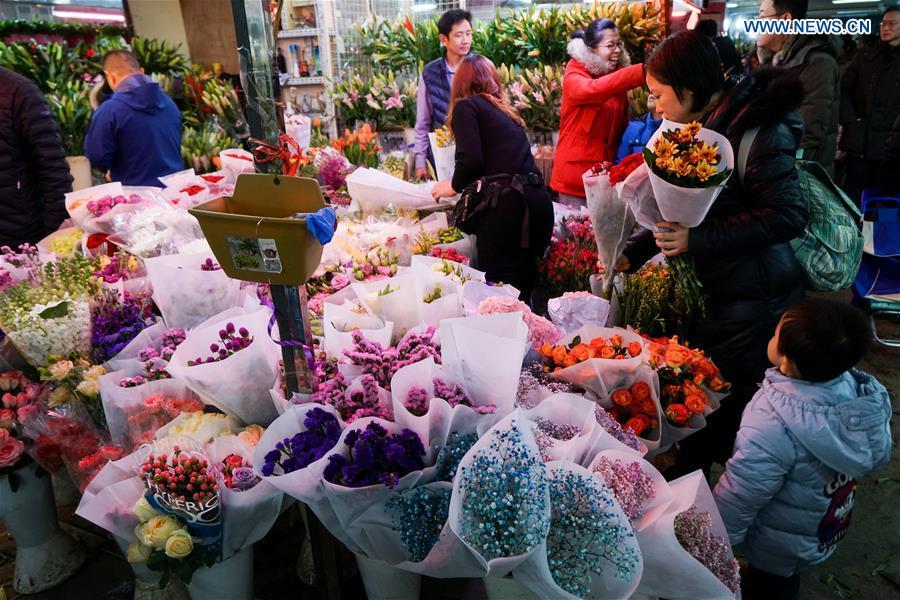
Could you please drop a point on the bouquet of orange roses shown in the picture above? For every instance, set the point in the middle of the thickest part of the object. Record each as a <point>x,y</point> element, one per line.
<point>633,401</point>
<point>690,384</point>
<point>595,358</point>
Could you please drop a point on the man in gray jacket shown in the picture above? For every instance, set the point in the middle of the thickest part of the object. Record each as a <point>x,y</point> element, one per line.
<point>814,57</point>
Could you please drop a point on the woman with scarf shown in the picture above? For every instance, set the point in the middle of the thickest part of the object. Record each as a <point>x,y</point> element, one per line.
<point>594,105</point>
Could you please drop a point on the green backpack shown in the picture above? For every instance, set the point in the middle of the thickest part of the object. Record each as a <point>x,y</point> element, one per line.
<point>830,249</point>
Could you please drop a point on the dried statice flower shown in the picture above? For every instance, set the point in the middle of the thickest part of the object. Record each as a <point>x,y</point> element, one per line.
<point>632,487</point>
<point>692,528</point>
<point>416,401</point>
<point>535,384</point>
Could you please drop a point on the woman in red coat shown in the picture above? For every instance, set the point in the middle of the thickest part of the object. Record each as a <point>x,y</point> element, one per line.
<point>594,105</point>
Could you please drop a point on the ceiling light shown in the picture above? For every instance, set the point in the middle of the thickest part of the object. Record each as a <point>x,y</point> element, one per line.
<point>852,1</point>
<point>87,16</point>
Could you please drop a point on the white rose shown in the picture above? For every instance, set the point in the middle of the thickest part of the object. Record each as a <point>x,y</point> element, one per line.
<point>94,373</point>
<point>158,529</point>
<point>138,553</point>
<point>143,511</point>
<point>140,532</point>
<point>179,544</point>
<point>88,388</point>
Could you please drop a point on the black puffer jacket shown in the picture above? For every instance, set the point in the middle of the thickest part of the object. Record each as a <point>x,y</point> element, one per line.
<point>870,100</point>
<point>34,174</point>
<point>741,248</point>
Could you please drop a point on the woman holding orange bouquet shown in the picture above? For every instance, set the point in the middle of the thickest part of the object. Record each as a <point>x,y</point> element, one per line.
<point>741,250</point>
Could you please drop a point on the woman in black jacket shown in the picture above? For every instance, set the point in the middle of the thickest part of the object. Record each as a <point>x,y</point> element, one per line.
<point>34,174</point>
<point>741,250</point>
<point>491,141</point>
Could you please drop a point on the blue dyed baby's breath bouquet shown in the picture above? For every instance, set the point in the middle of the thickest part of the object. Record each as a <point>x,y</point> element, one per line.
<point>589,535</point>
<point>505,498</point>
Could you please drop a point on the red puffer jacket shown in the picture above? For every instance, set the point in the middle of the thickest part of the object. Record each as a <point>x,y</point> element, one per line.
<point>594,115</point>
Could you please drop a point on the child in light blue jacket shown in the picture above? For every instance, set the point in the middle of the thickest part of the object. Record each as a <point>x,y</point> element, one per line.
<point>814,427</point>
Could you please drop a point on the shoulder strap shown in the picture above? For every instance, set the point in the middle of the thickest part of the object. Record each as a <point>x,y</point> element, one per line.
<point>744,151</point>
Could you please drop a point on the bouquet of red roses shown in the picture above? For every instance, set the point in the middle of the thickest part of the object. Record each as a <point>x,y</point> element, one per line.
<point>572,257</point>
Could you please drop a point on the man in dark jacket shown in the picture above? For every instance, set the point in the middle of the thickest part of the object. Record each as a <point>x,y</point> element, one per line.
<point>870,103</point>
<point>34,174</point>
<point>136,134</point>
<point>889,181</point>
<point>433,98</point>
<point>814,57</point>
<point>728,54</point>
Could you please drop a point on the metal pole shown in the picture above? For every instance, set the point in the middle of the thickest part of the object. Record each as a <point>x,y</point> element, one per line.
<point>259,73</point>
<point>259,77</point>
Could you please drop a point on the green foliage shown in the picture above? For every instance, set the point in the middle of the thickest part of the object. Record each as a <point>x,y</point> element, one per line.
<point>159,57</point>
<point>45,65</point>
<point>70,108</point>
<point>399,49</point>
<point>529,39</point>
<point>200,144</point>
<point>28,27</point>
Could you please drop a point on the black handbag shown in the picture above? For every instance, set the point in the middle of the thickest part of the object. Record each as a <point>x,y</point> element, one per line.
<point>485,193</point>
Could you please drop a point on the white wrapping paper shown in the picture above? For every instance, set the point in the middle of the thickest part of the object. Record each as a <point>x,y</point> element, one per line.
<point>187,295</point>
<point>688,206</point>
<point>485,353</point>
<point>670,571</point>
<point>238,385</point>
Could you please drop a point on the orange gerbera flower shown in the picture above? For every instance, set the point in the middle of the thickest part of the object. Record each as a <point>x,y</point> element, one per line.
<point>664,148</point>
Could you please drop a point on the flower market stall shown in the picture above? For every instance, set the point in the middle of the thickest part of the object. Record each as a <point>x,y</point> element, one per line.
<point>296,325</point>
<point>443,408</point>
